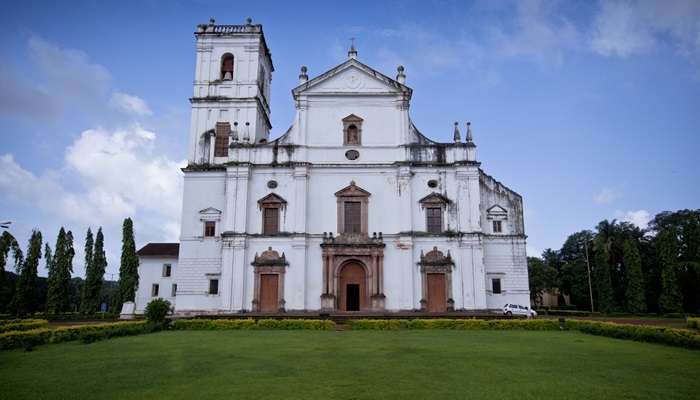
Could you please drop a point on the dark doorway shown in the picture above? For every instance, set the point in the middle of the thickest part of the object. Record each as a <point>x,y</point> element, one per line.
<point>353,297</point>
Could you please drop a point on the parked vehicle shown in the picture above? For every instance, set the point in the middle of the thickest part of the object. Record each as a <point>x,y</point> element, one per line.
<point>516,309</point>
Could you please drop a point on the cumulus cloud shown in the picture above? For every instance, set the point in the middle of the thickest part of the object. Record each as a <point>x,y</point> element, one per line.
<point>640,218</point>
<point>130,104</point>
<point>118,175</point>
<point>606,196</point>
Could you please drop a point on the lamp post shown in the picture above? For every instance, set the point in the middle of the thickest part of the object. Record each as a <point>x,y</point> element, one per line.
<point>588,265</point>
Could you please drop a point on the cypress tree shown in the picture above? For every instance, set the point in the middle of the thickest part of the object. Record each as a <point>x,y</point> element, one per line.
<point>602,276</point>
<point>634,292</point>
<point>670,300</point>
<point>128,270</point>
<point>52,290</point>
<point>60,269</point>
<point>25,301</point>
<point>95,264</point>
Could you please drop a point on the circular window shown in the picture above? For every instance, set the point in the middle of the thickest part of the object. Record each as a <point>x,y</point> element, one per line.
<point>271,184</point>
<point>352,154</point>
<point>432,183</point>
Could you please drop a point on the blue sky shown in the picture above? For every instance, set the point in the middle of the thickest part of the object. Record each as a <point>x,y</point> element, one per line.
<point>588,110</point>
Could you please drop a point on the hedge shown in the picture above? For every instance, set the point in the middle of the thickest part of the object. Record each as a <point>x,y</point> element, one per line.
<point>640,333</point>
<point>86,333</point>
<point>567,313</point>
<point>225,324</point>
<point>22,325</point>
<point>460,324</point>
<point>693,323</point>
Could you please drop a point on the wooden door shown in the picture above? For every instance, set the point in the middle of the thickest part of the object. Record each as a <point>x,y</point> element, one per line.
<point>352,279</point>
<point>269,285</point>
<point>437,295</point>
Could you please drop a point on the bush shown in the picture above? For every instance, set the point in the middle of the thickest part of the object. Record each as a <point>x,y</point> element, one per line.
<point>641,333</point>
<point>22,325</point>
<point>86,333</point>
<point>461,324</point>
<point>693,323</point>
<point>157,309</point>
<point>226,324</point>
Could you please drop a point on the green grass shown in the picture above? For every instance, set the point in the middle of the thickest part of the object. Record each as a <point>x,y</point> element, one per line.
<point>431,364</point>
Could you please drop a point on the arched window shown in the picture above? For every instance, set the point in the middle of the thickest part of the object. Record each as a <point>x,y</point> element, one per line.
<point>227,67</point>
<point>352,130</point>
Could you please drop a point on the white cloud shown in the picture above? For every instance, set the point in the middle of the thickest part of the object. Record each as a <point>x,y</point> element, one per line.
<point>625,28</point>
<point>607,196</point>
<point>130,104</point>
<point>640,218</point>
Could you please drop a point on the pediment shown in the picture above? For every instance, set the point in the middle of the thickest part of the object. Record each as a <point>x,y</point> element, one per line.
<point>272,198</point>
<point>210,211</point>
<point>434,198</point>
<point>352,190</point>
<point>496,209</point>
<point>351,76</point>
<point>352,118</point>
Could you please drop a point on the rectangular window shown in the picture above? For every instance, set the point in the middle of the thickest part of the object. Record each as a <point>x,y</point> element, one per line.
<point>433,219</point>
<point>154,290</point>
<point>353,217</point>
<point>223,129</point>
<point>167,270</point>
<point>209,228</point>
<point>496,286</point>
<point>271,221</point>
<point>497,227</point>
<point>213,286</point>
<point>173,291</point>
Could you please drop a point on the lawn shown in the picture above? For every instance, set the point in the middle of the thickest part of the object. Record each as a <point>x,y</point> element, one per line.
<point>421,364</point>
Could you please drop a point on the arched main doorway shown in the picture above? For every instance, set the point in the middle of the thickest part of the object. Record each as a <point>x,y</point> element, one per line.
<point>352,287</point>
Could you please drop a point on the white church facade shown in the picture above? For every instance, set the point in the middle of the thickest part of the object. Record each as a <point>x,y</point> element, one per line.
<point>351,209</point>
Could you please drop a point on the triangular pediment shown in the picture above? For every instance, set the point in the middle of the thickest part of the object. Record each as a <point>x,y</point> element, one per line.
<point>352,190</point>
<point>352,76</point>
<point>352,118</point>
<point>434,198</point>
<point>497,210</point>
<point>210,211</point>
<point>272,198</point>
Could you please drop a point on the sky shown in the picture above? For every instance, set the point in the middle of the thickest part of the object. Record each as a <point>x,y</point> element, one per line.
<point>590,110</point>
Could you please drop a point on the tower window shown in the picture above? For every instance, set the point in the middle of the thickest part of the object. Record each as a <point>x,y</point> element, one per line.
<point>167,270</point>
<point>154,290</point>
<point>173,290</point>
<point>223,130</point>
<point>433,219</point>
<point>353,217</point>
<point>209,228</point>
<point>271,220</point>
<point>227,67</point>
<point>497,227</point>
<point>213,286</point>
<point>496,286</point>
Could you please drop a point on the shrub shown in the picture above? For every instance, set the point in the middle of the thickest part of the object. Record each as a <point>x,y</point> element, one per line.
<point>86,333</point>
<point>157,309</point>
<point>693,323</point>
<point>461,324</point>
<point>226,324</point>
<point>22,325</point>
<point>641,333</point>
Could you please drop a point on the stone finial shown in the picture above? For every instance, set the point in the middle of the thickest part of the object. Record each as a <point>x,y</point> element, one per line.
<point>212,21</point>
<point>352,183</point>
<point>246,133</point>
<point>303,76</point>
<point>400,76</point>
<point>470,138</point>
<point>457,136</point>
<point>352,53</point>
<point>249,21</point>
<point>234,132</point>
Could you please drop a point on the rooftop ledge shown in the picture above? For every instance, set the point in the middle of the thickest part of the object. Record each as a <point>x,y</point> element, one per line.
<point>228,29</point>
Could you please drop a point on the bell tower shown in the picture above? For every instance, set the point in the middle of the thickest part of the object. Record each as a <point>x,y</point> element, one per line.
<point>230,103</point>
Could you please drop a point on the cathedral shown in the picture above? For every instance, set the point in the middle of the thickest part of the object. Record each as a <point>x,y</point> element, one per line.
<point>350,209</point>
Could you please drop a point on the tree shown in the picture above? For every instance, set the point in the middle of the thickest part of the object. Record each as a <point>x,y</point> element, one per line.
<point>542,277</point>
<point>60,268</point>
<point>95,265</point>
<point>8,243</point>
<point>602,275</point>
<point>670,300</point>
<point>128,270</point>
<point>634,293</point>
<point>25,300</point>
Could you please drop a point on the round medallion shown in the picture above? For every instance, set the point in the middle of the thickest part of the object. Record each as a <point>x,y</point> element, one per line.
<point>352,154</point>
<point>353,81</point>
<point>271,184</point>
<point>432,183</point>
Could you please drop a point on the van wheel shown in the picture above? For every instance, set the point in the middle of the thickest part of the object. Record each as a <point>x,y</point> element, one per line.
<point>510,314</point>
